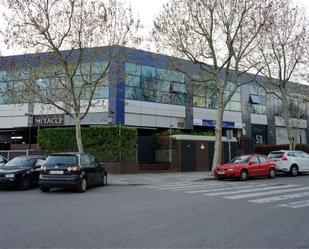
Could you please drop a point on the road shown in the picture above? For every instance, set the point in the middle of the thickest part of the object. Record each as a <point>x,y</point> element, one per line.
<point>260,213</point>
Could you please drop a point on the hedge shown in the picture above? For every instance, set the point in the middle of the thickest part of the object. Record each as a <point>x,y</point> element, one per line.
<point>104,142</point>
<point>265,149</point>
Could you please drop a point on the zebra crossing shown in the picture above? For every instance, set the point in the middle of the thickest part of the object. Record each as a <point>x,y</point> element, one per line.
<point>282,195</point>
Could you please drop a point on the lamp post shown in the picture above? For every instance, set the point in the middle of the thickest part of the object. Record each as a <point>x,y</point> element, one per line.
<point>170,150</point>
<point>29,114</point>
<point>120,142</point>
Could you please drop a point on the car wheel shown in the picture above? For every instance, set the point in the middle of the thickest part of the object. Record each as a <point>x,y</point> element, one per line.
<point>293,170</point>
<point>44,189</point>
<point>26,183</point>
<point>272,173</point>
<point>244,175</point>
<point>82,185</point>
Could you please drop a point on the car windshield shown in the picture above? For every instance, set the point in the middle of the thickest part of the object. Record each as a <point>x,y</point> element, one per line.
<point>240,159</point>
<point>61,160</point>
<point>275,154</point>
<point>21,162</point>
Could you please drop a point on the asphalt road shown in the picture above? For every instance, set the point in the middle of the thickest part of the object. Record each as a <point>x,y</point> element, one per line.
<point>183,215</point>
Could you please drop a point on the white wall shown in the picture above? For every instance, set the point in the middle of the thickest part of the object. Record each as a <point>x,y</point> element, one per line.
<point>282,135</point>
<point>139,113</point>
<point>299,123</point>
<point>258,119</point>
<point>210,114</point>
<point>13,116</point>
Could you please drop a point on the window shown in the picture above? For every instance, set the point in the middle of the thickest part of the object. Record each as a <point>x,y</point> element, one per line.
<point>205,95</point>
<point>257,99</point>
<point>254,159</point>
<point>39,162</point>
<point>304,154</point>
<point>84,160</point>
<point>152,84</point>
<point>254,99</point>
<point>262,159</point>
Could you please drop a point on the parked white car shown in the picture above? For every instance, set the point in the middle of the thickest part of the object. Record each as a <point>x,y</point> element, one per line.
<point>291,162</point>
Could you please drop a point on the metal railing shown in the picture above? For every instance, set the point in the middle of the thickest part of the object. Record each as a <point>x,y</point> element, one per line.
<point>9,154</point>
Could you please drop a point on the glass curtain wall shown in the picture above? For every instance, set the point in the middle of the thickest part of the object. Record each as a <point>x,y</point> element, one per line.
<point>153,84</point>
<point>50,82</point>
<point>204,96</point>
<point>297,107</point>
<point>257,99</point>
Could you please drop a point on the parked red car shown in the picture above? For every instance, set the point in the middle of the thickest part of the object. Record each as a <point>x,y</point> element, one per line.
<point>246,166</point>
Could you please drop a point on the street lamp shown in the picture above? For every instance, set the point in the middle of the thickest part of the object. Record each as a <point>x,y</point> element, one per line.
<point>170,150</point>
<point>29,114</point>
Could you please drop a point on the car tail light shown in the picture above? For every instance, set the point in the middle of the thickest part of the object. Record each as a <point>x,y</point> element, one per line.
<point>284,158</point>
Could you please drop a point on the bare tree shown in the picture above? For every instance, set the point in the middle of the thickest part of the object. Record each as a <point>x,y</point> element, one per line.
<point>217,35</point>
<point>75,25</point>
<point>282,46</point>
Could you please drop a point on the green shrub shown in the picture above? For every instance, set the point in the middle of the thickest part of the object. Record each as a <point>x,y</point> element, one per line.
<point>107,143</point>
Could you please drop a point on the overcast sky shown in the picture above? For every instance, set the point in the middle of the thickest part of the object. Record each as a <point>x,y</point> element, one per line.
<point>147,10</point>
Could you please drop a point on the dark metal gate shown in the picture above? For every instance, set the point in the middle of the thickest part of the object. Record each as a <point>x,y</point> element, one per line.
<point>146,149</point>
<point>188,156</point>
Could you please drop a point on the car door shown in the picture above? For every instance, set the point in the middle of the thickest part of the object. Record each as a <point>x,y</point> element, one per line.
<point>88,168</point>
<point>98,169</point>
<point>36,169</point>
<point>253,167</point>
<point>263,166</point>
<point>300,160</point>
<point>304,160</point>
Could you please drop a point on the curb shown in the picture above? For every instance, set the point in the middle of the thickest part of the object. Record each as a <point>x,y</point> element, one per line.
<point>146,184</point>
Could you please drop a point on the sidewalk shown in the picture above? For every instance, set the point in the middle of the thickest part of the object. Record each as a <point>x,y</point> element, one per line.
<point>158,178</point>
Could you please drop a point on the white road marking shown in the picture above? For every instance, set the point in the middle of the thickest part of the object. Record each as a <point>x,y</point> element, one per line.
<point>280,198</point>
<point>297,204</point>
<point>192,186</point>
<point>225,188</point>
<point>265,193</point>
<point>251,190</point>
<point>169,184</point>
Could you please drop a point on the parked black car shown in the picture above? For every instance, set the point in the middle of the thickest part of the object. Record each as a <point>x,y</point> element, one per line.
<point>22,172</point>
<point>71,170</point>
<point>3,160</point>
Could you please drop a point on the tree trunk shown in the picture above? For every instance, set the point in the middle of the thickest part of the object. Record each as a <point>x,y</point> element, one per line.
<point>78,133</point>
<point>286,117</point>
<point>218,133</point>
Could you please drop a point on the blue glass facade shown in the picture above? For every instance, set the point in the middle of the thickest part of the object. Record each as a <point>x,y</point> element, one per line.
<point>51,84</point>
<point>152,84</point>
<point>204,96</point>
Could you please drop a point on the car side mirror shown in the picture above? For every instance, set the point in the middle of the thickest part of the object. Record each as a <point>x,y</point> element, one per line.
<point>250,163</point>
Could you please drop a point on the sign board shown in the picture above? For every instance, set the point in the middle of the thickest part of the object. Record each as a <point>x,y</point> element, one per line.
<point>48,120</point>
<point>212,123</point>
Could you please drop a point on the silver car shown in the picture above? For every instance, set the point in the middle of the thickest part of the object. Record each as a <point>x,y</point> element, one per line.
<point>291,162</point>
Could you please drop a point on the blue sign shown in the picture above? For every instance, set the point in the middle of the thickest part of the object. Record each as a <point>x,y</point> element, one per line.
<point>212,123</point>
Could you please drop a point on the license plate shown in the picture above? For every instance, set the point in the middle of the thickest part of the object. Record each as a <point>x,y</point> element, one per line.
<point>56,172</point>
<point>220,173</point>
